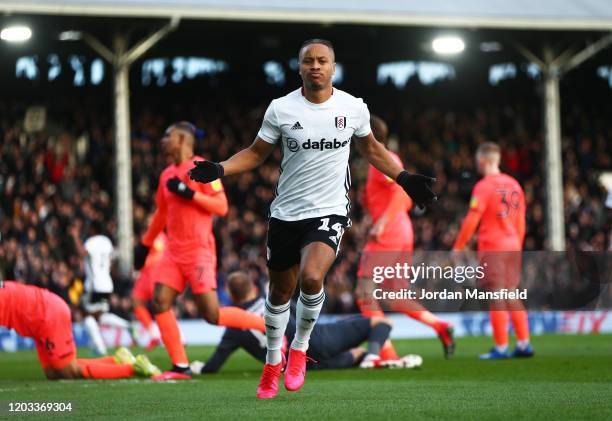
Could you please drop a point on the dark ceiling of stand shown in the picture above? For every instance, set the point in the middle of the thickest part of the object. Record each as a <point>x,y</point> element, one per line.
<point>243,41</point>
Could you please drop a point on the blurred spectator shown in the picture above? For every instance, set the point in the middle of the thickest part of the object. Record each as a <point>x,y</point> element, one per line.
<point>61,179</point>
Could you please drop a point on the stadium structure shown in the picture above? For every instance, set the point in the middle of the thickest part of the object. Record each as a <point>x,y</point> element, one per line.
<point>88,96</point>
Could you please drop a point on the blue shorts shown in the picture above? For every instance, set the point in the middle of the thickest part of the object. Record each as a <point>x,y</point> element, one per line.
<point>330,343</point>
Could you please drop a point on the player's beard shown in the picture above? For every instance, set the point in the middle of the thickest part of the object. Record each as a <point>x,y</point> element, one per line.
<point>312,85</point>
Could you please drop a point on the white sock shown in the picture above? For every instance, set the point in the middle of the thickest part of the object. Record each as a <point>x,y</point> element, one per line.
<point>308,309</point>
<point>276,318</point>
<point>93,330</point>
<point>154,331</point>
<point>501,348</point>
<point>522,344</point>
<point>111,319</point>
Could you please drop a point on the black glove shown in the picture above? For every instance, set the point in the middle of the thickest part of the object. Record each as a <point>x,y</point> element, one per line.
<point>140,255</point>
<point>206,171</point>
<point>418,187</point>
<point>176,186</point>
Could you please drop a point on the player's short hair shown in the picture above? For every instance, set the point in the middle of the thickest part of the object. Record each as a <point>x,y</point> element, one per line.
<point>379,128</point>
<point>239,285</point>
<point>490,150</point>
<point>184,126</point>
<point>311,41</point>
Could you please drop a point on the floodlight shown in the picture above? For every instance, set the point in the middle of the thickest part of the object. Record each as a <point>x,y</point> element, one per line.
<point>70,36</point>
<point>16,33</point>
<point>448,45</point>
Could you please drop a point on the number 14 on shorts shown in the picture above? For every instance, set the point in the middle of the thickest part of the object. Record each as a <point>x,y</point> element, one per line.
<point>337,227</point>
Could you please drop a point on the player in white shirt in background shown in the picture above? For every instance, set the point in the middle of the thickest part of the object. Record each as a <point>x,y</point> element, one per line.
<point>98,253</point>
<point>314,127</point>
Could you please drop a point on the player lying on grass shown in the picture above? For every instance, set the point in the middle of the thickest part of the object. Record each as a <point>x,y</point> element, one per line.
<point>332,345</point>
<point>390,241</point>
<point>43,316</point>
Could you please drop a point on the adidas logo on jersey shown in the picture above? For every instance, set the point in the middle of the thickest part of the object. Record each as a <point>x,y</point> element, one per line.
<point>296,126</point>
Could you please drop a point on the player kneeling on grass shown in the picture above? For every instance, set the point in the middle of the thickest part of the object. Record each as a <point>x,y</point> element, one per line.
<point>390,241</point>
<point>332,345</point>
<point>43,316</point>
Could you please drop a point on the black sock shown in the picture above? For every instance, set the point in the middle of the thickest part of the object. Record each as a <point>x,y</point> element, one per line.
<point>182,370</point>
<point>378,335</point>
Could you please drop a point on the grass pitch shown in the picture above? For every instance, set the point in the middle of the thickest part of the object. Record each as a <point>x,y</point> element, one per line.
<point>570,378</point>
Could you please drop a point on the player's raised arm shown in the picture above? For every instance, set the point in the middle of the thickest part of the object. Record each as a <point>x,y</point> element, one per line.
<point>215,203</point>
<point>248,158</point>
<point>245,160</point>
<point>377,155</point>
<point>417,186</point>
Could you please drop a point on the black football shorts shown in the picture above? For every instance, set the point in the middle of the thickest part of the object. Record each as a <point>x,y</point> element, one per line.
<point>286,239</point>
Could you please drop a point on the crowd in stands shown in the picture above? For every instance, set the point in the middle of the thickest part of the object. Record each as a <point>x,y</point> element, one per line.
<point>54,181</point>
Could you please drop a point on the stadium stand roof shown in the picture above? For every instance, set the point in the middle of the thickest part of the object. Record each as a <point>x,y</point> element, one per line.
<point>515,14</point>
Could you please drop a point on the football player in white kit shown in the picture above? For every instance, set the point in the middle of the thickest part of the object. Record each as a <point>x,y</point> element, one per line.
<point>98,252</point>
<point>314,126</point>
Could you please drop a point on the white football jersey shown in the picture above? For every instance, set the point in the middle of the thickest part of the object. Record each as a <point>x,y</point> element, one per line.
<point>315,142</point>
<point>98,264</point>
